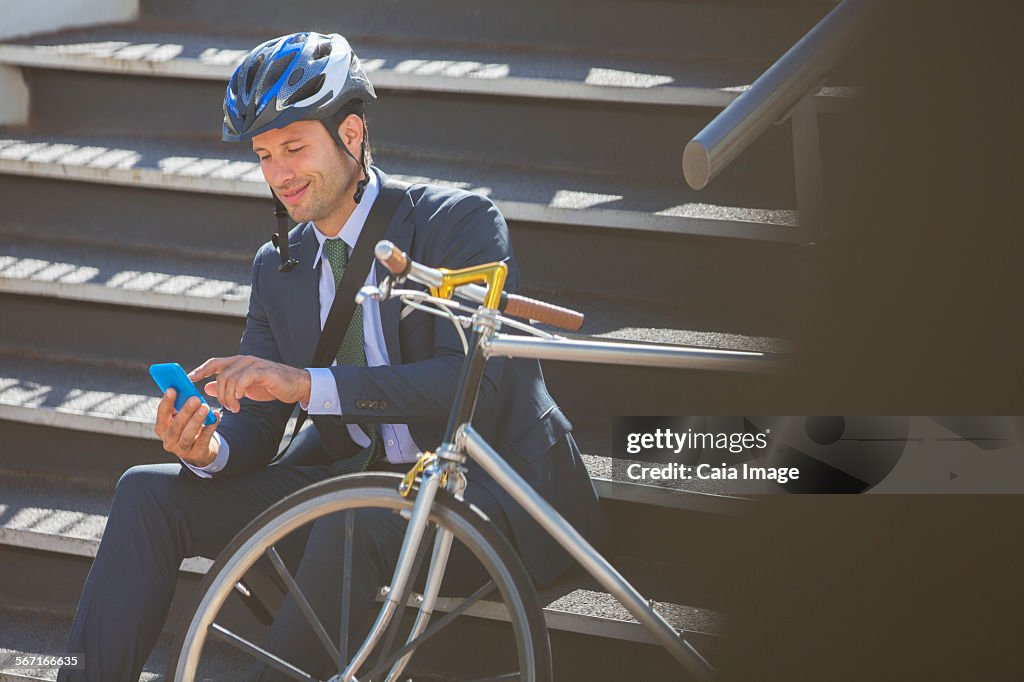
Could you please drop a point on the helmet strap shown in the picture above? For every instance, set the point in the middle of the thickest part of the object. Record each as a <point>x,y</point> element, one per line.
<point>361,184</point>
<point>280,238</point>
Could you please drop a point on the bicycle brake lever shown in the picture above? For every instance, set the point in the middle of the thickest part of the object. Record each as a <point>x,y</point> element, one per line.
<point>369,292</point>
<point>378,293</point>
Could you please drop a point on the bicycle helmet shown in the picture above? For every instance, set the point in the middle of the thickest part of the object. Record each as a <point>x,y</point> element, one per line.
<point>292,78</point>
<point>302,76</point>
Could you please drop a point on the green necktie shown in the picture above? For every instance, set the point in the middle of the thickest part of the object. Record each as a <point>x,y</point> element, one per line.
<point>351,352</point>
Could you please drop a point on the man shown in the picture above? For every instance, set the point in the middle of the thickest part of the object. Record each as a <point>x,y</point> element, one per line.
<point>299,99</point>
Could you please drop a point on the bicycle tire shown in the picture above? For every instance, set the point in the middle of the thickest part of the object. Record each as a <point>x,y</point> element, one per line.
<point>368,490</point>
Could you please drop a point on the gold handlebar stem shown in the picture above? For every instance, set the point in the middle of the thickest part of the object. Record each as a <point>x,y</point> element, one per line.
<point>491,274</point>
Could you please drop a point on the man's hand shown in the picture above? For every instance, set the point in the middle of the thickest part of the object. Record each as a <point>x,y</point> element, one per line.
<point>244,376</point>
<point>183,432</point>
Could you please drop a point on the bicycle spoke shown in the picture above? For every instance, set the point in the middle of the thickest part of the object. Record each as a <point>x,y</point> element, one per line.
<point>302,603</point>
<point>264,657</point>
<point>432,629</point>
<point>346,581</point>
<point>426,544</point>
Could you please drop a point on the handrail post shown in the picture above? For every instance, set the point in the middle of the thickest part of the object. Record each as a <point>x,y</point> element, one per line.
<point>807,169</point>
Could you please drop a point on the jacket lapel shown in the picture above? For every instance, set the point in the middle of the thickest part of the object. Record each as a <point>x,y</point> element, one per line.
<point>303,299</point>
<point>400,233</point>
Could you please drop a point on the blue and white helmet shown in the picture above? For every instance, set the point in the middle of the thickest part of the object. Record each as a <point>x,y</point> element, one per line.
<point>292,78</point>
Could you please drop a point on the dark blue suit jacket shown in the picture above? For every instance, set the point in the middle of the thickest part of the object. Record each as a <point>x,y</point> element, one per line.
<point>439,227</point>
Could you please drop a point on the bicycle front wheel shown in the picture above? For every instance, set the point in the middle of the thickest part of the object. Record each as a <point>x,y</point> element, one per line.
<point>504,605</point>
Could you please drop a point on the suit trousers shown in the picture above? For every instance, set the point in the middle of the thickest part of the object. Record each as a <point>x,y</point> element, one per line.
<point>162,514</point>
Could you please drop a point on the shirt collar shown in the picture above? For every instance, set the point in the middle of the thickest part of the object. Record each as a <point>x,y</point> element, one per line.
<point>353,227</point>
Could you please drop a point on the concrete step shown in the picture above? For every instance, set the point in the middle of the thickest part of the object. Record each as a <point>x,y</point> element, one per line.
<point>564,236</point>
<point>145,48</point>
<point>623,140</point>
<point>52,525</point>
<point>556,197</point>
<point>736,31</point>
<point>54,261</point>
<point>575,603</point>
<point>169,305</point>
<point>39,327</point>
<point>30,630</point>
<point>104,414</point>
<point>562,241</point>
<point>72,270</point>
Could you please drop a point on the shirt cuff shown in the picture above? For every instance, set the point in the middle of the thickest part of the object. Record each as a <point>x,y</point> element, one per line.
<point>323,392</point>
<point>221,461</point>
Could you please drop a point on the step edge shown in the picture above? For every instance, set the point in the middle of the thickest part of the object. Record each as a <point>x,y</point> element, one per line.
<point>830,100</point>
<point>90,422</point>
<point>198,566</point>
<point>146,178</point>
<point>671,498</point>
<point>80,547</point>
<point>99,293</point>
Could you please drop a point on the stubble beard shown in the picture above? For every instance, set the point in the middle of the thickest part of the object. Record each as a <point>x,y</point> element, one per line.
<point>325,196</point>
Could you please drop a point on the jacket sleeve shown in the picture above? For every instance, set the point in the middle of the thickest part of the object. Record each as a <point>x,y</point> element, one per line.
<point>254,432</point>
<point>472,232</point>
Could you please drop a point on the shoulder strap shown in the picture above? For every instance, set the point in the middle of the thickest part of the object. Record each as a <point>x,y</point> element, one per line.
<point>359,263</point>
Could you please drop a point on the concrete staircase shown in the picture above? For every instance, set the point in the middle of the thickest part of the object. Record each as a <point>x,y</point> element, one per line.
<point>128,231</point>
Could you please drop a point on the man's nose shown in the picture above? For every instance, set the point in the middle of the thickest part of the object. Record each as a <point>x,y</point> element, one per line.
<point>276,173</point>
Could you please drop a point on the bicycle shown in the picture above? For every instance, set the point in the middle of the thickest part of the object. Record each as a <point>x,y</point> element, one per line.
<point>430,496</point>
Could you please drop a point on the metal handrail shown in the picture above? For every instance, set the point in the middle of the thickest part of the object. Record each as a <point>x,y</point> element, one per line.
<point>796,74</point>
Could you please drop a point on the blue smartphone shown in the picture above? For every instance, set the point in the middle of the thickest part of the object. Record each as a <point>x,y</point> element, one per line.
<point>171,375</point>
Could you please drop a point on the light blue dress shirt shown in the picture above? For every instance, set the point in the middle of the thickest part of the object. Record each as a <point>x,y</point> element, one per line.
<point>323,396</point>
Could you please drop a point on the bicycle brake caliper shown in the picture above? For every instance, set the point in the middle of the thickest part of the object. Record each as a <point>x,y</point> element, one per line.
<point>424,460</point>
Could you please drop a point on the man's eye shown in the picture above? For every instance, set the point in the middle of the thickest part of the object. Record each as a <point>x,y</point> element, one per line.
<point>263,158</point>
<point>296,150</point>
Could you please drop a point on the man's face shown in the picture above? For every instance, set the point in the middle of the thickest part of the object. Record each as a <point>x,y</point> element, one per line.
<point>306,169</point>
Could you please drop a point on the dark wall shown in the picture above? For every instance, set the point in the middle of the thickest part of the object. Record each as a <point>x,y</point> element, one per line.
<point>919,311</point>
<point>916,305</point>
<point>880,587</point>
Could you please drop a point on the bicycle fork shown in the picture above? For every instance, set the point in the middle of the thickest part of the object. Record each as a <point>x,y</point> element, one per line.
<point>471,375</point>
<point>403,574</point>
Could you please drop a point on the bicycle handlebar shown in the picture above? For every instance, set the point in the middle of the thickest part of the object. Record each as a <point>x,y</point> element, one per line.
<point>400,265</point>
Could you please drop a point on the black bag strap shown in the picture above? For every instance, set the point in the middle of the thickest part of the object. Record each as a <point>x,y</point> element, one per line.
<point>359,263</point>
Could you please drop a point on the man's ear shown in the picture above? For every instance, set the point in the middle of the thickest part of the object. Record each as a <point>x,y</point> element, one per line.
<point>351,132</point>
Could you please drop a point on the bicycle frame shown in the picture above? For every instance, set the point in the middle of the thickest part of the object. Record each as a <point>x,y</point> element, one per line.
<point>444,469</point>
<point>462,441</point>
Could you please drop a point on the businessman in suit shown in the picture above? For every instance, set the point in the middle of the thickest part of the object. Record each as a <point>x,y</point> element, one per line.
<point>378,407</point>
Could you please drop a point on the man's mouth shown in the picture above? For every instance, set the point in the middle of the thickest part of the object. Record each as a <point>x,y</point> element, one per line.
<point>292,195</point>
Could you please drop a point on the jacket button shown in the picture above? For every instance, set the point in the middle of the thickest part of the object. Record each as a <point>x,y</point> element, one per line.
<point>361,404</point>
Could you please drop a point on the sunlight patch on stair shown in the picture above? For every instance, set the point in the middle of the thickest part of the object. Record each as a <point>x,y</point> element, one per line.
<point>565,198</point>
<point>68,154</point>
<point>626,79</point>
<point>118,49</point>
<point>452,69</point>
